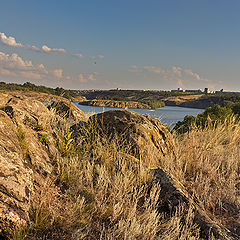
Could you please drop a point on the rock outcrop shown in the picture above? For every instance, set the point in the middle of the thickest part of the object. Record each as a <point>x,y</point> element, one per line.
<point>15,178</point>
<point>146,137</point>
<point>115,104</point>
<point>172,196</point>
<point>26,161</point>
<point>69,111</point>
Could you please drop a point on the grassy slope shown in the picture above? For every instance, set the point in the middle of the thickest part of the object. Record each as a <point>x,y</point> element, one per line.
<point>26,87</point>
<point>102,188</point>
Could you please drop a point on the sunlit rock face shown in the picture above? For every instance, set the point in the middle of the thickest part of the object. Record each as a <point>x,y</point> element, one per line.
<point>68,111</point>
<point>147,137</point>
<point>25,161</point>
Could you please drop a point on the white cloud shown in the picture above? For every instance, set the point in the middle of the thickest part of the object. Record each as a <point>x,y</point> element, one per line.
<point>31,75</point>
<point>14,66</point>
<point>97,57</point>
<point>11,41</point>
<point>174,76</point>
<point>135,69</point>
<point>91,77</point>
<point>58,73</point>
<point>46,49</point>
<point>78,55</point>
<point>191,73</point>
<point>177,71</point>
<point>6,72</point>
<point>153,69</point>
<point>42,69</point>
<point>84,78</point>
<point>14,62</point>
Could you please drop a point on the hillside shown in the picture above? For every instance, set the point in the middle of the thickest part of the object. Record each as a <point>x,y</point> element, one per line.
<point>114,175</point>
<point>191,100</point>
<point>30,89</point>
<point>115,104</point>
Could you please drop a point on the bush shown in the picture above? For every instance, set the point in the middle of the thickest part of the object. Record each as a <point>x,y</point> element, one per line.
<point>154,104</point>
<point>212,115</point>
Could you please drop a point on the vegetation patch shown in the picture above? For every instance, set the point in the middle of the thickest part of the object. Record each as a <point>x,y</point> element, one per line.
<point>212,115</point>
<point>100,190</point>
<point>32,87</point>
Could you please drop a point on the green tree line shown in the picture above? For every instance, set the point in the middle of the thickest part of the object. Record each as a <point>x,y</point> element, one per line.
<point>154,104</point>
<point>213,115</point>
<point>32,87</point>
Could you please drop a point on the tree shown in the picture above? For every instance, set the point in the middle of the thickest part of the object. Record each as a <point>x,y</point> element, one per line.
<point>212,115</point>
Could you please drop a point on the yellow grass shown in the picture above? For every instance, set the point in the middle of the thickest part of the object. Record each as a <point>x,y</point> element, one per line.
<point>104,192</point>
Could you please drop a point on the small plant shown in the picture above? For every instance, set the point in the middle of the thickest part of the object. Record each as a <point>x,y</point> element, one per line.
<point>68,141</point>
<point>22,141</point>
<point>21,135</point>
<point>20,233</point>
<point>65,142</point>
<point>43,139</point>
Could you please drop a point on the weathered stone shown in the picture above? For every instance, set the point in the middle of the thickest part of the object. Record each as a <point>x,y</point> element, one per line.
<point>27,115</point>
<point>69,111</point>
<point>25,161</point>
<point>145,136</point>
<point>173,196</point>
<point>15,178</point>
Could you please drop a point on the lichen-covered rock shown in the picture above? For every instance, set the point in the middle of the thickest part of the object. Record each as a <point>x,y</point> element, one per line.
<point>69,111</point>
<point>146,137</point>
<point>25,161</point>
<point>15,177</point>
<point>28,116</point>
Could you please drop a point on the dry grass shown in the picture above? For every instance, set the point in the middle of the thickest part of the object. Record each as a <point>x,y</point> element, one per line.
<point>208,166</point>
<point>105,193</point>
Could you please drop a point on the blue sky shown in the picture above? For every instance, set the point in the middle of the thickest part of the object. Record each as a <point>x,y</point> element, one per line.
<point>131,44</point>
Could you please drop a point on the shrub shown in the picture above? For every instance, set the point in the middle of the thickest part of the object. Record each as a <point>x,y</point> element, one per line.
<point>212,115</point>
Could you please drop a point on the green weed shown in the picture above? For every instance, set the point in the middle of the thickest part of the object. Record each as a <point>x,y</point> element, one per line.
<point>43,138</point>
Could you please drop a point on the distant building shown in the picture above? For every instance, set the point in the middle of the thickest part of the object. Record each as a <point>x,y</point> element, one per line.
<point>206,90</point>
<point>194,91</point>
<point>178,90</point>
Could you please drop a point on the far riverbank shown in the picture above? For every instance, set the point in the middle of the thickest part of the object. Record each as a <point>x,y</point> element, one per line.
<point>169,115</point>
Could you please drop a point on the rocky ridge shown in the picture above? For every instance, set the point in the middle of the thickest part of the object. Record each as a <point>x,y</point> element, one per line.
<point>28,151</point>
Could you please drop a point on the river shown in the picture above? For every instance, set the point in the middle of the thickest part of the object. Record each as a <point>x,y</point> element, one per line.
<point>168,115</point>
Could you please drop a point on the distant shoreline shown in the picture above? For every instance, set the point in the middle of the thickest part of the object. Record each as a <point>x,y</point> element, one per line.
<point>118,104</point>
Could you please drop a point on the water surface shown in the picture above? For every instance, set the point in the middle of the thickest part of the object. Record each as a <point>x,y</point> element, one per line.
<point>169,115</point>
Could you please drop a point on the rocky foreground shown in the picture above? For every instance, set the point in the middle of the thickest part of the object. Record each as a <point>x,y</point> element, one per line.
<point>32,149</point>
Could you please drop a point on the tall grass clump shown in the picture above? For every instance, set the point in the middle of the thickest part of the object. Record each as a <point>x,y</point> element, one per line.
<point>208,166</point>
<point>118,199</point>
